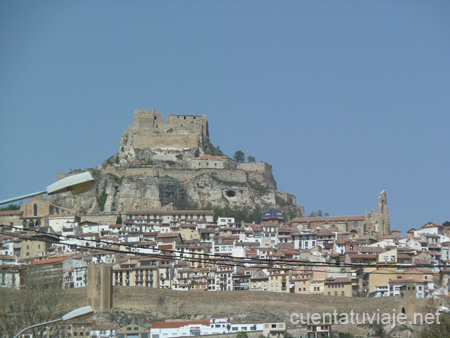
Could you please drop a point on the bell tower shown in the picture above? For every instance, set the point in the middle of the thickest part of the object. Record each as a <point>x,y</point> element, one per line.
<point>383,215</point>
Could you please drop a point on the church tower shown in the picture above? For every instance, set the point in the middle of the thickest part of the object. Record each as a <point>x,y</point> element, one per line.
<point>384,223</point>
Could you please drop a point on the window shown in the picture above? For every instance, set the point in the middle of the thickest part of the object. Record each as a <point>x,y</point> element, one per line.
<point>35,209</point>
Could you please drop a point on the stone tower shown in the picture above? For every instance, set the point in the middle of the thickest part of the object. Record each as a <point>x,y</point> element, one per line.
<point>378,224</point>
<point>383,215</point>
<point>151,139</point>
<point>99,287</point>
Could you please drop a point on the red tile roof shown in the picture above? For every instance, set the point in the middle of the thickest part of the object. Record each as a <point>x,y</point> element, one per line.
<point>168,235</point>
<point>10,212</point>
<point>50,260</point>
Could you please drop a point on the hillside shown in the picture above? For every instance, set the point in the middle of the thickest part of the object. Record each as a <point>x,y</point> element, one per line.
<point>172,164</point>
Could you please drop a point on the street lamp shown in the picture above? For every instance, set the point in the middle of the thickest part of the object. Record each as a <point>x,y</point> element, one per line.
<point>82,311</point>
<point>77,184</point>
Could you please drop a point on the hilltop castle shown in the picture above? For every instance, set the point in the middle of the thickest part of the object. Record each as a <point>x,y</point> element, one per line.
<point>151,139</point>
<point>162,163</point>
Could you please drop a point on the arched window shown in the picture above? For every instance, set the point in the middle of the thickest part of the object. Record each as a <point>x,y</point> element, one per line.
<point>35,209</point>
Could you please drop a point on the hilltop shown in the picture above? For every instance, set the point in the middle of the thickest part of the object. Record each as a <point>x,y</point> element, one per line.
<point>173,165</point>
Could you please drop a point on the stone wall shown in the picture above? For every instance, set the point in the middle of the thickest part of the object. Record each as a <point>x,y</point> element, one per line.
<point>150,132</point>
<point>107,218</point>
<point>258,172</point>
<point>156,166</point>
<point>246,305</point>
<point>10,218</point>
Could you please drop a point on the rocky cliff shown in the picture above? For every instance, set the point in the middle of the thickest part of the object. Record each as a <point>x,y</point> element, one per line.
<point>172,164</point>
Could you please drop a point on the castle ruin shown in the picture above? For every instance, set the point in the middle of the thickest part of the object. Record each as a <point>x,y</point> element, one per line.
<point>173,162</point>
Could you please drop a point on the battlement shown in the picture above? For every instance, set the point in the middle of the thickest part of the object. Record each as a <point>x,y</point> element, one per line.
<point>149,119</point>
<point>151,138</point>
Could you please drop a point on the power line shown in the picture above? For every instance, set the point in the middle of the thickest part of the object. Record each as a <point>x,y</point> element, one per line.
<point>217,258</point>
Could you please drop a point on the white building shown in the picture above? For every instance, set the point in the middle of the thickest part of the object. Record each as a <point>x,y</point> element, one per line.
<point>63,222</point>
<point>218,324</point>
<point>304,240</point>
<point>10,276</point>
<point>104,330</point>
<point>225,221</point>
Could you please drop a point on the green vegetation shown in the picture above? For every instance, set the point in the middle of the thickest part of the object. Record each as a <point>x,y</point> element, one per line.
<point>319,213</point>
<point>239,157</point>
<point>117,180</point>
<point>437,330</point>
<point>112,160</point>
<point>217,179</point>
<point>257,187</point>
<point>11,207</point>
<point>342,335</point>
<point>281,202</point>
<point>101,199</point>
<point>378,331</point>
<point>242,335</point>
<point>119,219</point>
<point>183,204</point>
<point>239,214</point>
<point>446,223</point>
<point>209,149</point>
<point>170,130</point>
<point>251,159</point>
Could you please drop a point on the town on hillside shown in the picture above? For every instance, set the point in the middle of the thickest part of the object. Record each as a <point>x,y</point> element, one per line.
<point>341,256</point>
<point>186,250</point>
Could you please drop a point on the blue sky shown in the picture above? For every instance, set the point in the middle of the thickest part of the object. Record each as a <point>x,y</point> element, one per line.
<point>343,98</point>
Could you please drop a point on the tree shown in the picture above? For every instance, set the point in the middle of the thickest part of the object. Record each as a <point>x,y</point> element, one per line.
<point>446,223</point>
<point>318,213</point>
<point>38,302</point>
<point>119,219</point>
<point>11,207</point>
<point>239,156</point>
<point>251,159</point>
<point>436,330</point>
<point>242,335</point>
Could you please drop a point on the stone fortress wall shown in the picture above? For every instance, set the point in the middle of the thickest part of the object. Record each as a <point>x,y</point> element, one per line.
<point>160,162</point>
<point>180,131</point>
<point>227,175</point>
<point>259,172</point>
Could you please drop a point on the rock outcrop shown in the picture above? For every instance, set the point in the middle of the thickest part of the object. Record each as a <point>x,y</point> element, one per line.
<point>173,164</point>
